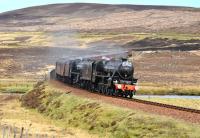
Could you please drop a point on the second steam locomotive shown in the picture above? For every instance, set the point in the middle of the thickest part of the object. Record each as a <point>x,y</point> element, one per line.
<point>107,76</point>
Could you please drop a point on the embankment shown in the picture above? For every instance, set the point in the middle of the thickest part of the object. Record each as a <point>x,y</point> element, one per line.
<point>103,119</point>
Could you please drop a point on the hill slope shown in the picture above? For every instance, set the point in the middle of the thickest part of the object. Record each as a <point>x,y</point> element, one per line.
<point>102,18</point>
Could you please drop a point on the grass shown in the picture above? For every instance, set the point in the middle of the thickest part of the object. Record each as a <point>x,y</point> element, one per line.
<point>22,39</point>
<point>137,36</point>
<point>92,37</point>
<point>15,87</point>
<point>159,89</point>
<point>169,91</point>
<point>87,38</point>
<point>178,36</point>
<point>189,103</point>
<point>103,119</point>
<point>33,122</point>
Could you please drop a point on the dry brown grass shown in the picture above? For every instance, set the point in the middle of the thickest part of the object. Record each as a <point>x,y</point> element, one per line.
<point>87,17</point>
<point>34,122</point>
<point>103,119</point>
<point>168,71</point>
<point>171,70</point>
<point>149,19</point>
<point>22,39</point>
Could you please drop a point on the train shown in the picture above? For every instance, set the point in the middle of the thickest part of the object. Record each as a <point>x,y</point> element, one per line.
<point>109,76</point>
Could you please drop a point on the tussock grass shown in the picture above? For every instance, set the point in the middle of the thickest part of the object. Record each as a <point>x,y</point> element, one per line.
<point>14,116</point>
<point>103,119</point>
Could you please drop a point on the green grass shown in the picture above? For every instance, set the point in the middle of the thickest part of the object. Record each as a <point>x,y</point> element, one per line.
<point>189,103</point>
<point>161,89</point>
<point>169,91</point>
<point>138,36</point>
<point>103,119</point>
<point>15,87</point>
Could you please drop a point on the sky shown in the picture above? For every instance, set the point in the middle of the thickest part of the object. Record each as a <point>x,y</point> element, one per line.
<point>8,5</point>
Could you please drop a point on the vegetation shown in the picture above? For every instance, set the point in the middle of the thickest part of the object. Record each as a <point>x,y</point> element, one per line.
<point>16,87</point>
<point>102,119</point>
<point>189,103</point>
<point>137,36</point>
<point>22,39</point>
<point>166,90</point>
<point>34,123</point>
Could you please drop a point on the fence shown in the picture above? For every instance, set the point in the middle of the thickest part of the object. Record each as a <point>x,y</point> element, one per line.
<point>12,131</point>
<point>15,132</point>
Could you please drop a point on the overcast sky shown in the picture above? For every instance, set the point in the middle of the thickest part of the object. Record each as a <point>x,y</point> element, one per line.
<point>7,5</point>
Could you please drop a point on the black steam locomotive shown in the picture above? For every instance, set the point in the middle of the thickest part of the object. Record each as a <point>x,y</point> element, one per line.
<point>107,76</point>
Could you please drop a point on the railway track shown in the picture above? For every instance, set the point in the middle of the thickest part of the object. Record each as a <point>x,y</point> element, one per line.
<point>189,113</point>
<point>145,102</point>
<point>158,104</point>
<point>186,114</point>
<point>166,106</point>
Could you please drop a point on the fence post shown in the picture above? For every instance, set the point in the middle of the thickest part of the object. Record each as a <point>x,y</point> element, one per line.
<point>14,131</point>
<point>22,130</point>
<point>4,132</point>
<point>37,136</point>
<point>26,135</point>
<point>8,132</point>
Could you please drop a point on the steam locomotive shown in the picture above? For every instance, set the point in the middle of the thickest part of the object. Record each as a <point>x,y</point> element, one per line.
<point>106,76</point>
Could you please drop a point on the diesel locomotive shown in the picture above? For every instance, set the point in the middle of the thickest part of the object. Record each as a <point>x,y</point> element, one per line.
<point>107,76</point>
